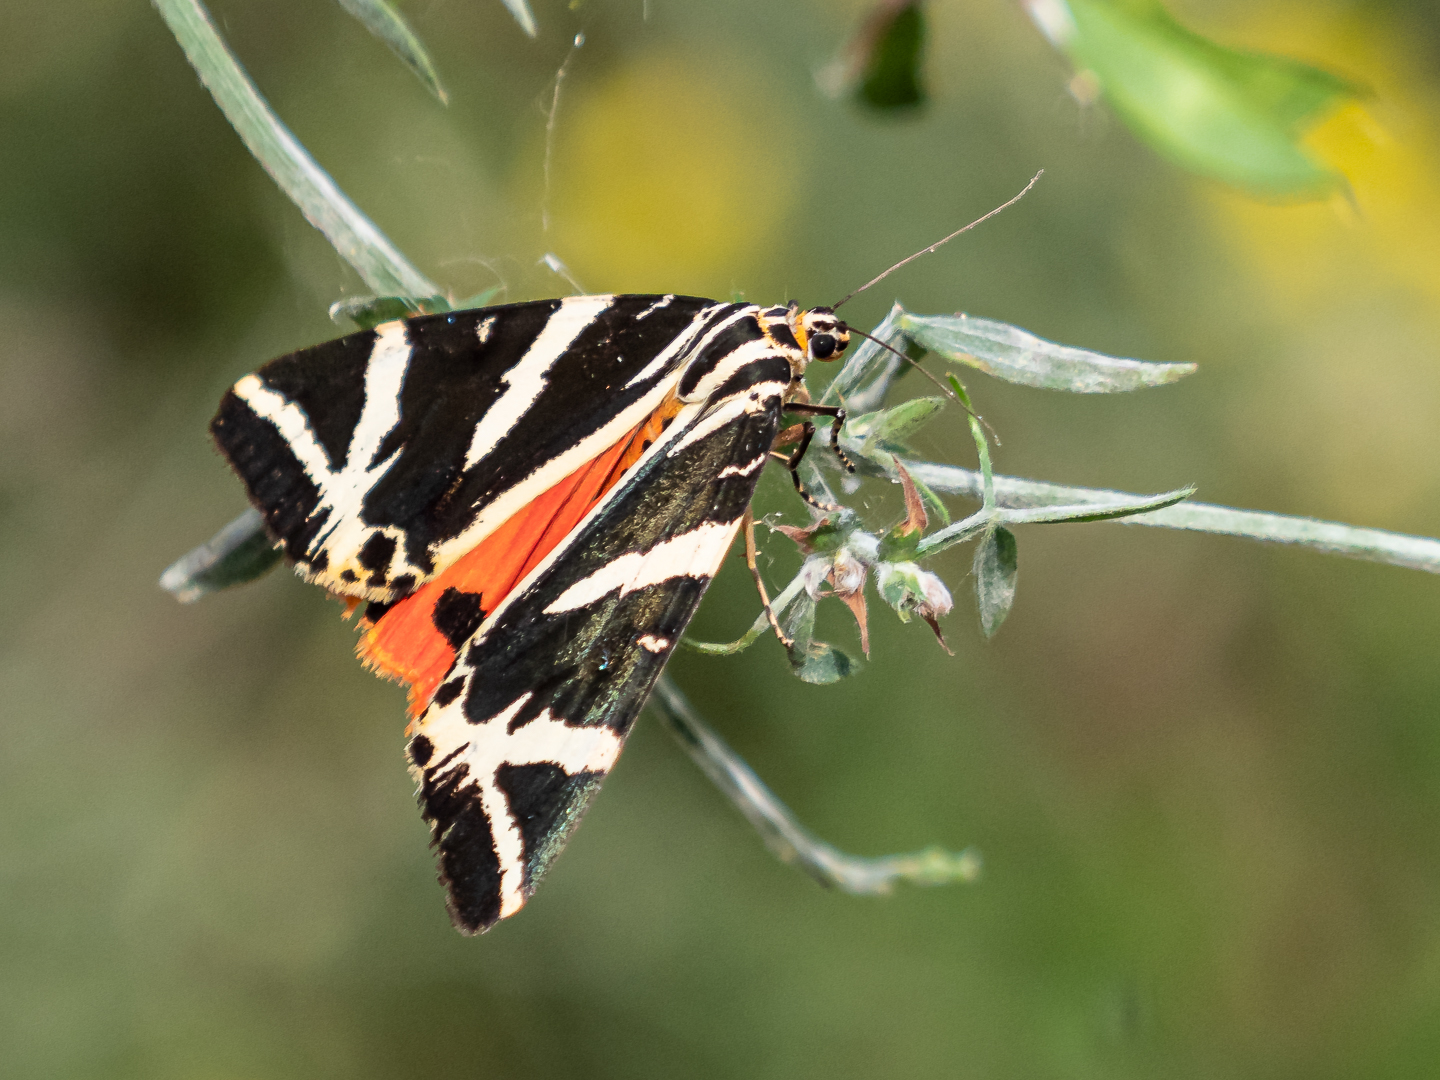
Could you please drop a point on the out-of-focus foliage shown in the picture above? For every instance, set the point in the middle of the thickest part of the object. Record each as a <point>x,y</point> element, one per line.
<point>1234,115</point>
<point>1203,773</point>
<point>889,52</point>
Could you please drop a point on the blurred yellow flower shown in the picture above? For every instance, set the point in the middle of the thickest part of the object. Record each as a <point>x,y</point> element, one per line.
<point>1356,283</point>
<point>667,178</point>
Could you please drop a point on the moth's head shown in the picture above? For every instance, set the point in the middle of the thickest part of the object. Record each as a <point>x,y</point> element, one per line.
<point>818,332</point>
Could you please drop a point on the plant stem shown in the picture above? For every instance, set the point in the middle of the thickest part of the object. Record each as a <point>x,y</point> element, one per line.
<point>320,199</point>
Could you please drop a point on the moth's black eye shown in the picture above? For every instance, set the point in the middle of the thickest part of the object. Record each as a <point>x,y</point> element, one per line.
<point>822,346</point>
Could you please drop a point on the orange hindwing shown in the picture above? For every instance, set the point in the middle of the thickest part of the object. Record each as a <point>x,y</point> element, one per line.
<point>416,640</point>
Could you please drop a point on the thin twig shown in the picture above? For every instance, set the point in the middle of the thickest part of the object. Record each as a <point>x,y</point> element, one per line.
<point>790,841</point>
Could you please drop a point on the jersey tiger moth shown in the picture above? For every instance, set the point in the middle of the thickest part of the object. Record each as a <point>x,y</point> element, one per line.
<point>532,498</point>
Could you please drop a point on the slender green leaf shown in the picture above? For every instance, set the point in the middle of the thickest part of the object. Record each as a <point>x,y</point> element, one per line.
<point>240,552</point>
<point>479,300</point>
<point>889,428</point>
<point>324,205</point>
<point>523,15</point>
<point>1035,515</point>
<point>1330,537</point>
<point>783,834</point>
<point>982,444</point>
<point>368,312</point>
<point>1234,115</point>
<point>865,378</point>
<point>1012,354</point>
<point>1089,511</point>
<point>958,533</point>
<point>382,20</point>
<point>996,567</point>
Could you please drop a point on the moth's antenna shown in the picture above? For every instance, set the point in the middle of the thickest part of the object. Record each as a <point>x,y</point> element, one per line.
<point>932,247</point>
<point>916,365</point>
<point>550,130</point>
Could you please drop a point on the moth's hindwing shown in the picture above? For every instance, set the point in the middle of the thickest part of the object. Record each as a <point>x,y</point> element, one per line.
<point>380,458</point>
<point>534,711</point>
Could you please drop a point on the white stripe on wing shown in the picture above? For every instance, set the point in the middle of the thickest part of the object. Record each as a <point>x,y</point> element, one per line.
<point>695,554</point>
<point>527,379</point>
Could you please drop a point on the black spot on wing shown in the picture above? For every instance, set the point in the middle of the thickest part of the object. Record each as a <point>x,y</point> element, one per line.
<point>421,750</point>
<point>448,692</point>
<point>457,616</point>
<point>375,556</point>
<point>546,803</point>
<point>327,382</point>
<point>377,552</point>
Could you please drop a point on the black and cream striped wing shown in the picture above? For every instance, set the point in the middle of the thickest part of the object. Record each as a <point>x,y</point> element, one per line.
<point>534,711</point>
<point>380,458</point>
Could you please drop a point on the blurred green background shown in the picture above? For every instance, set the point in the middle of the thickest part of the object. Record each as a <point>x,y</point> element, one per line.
<point>1204,774</point>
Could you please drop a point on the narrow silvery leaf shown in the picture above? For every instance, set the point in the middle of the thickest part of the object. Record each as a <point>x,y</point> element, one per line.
<point>1017,356</point>
<point>961,531</point>
<point>894,426</point>
<point>478,300</point>
<point>387,24</point>
<point>238,553</point>
<point>354,236</point>
<point>1331,537</point>
<point>1092,511</point>
<point>523,15</point>
<point>368,312</point>
<point>869,369</point>
<point>996,566</point>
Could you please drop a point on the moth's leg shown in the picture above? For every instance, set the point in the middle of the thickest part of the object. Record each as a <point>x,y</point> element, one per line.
<point>750,553</point>
<point>792,463</point>
<point>786,838</point>
<point>837,416</point>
